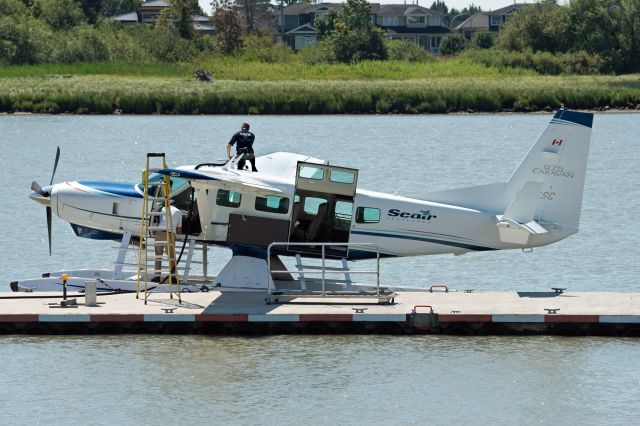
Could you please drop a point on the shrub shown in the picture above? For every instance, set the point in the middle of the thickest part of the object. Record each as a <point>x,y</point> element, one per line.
<point>401,50</point>
<point>319,54</point>
<point>452,44</point>
<point>482,40</point>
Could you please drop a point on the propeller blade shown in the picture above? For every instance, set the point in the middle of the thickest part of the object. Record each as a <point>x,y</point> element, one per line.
<point>55,165</point>
<point>49,227</point>
<point>37,188</point>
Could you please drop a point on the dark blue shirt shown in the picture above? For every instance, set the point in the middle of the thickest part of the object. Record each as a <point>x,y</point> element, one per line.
<point>244,140</point>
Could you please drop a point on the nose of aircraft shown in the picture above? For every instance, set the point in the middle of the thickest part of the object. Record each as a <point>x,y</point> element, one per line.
<point>43,197</point>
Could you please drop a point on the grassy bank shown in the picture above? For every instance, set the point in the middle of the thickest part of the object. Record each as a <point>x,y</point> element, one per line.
<point>105,94</point>
<point>272,69</point>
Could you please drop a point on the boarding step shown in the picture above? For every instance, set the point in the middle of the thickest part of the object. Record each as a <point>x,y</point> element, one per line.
<point>298,296</point>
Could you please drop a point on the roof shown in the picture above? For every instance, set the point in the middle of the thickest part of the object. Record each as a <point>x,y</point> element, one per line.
<point>406,9</point>
<point>305,28</point>
<point>154,3</point>
<point>303,8</point>
<point>505,10</point>
<point>200,18</point>
<point>420,30</point>
<point>477,20</point>
<point>126,17</point>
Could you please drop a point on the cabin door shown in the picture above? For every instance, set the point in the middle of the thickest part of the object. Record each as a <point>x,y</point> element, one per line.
<point>323,204</point>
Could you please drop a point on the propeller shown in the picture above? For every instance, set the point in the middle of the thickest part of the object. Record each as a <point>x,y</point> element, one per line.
<point>35,187</point>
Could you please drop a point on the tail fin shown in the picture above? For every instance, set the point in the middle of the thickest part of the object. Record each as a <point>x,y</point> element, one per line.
<point>554,172</point>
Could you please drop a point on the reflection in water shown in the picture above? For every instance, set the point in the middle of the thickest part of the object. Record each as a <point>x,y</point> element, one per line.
<point>319,379</point>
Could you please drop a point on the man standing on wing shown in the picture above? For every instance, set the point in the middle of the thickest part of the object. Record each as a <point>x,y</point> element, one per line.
<point>243,141</point>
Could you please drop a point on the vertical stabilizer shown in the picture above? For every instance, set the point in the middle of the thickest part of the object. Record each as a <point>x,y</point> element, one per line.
<point>556,168</point>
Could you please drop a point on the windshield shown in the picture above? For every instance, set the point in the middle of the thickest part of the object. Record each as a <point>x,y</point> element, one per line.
<point>177,184</point>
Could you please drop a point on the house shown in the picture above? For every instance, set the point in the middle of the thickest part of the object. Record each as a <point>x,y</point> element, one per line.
<point>149,11</point>
<point>413,23</point>
<point>417,24</point>
<point>488,21</point>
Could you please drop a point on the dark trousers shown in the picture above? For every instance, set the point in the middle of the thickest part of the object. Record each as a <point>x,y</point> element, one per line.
<point>243,161</point>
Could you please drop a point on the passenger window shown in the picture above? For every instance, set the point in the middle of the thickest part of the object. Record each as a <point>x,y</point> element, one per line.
<point>226,198</point>
<point>273,204</point>
<point>309,172</point>
<point>343,210</point>
<point>367,215</point>
<point>312,204</point>
<point>341,176</point>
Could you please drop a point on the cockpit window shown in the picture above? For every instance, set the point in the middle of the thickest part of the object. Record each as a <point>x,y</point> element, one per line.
<point>177,184</point>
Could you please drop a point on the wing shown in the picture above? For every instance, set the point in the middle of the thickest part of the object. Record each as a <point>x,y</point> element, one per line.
<point>234,180</point>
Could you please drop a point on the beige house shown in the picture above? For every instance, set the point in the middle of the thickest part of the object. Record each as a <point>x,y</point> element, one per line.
<point>149,11</point>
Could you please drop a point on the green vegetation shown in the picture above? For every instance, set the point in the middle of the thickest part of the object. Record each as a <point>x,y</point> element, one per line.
<point>108,94</point>
<point>63,56</point>
<point>289,68</point>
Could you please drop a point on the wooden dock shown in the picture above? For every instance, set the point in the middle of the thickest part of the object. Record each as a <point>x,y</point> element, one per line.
<point>416,312</point>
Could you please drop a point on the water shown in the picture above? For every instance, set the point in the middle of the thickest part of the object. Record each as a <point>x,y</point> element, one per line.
<point>328,379</point>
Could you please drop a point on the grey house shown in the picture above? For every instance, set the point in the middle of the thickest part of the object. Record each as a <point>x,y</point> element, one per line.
<point>416,24</point>
<point>488,21</point>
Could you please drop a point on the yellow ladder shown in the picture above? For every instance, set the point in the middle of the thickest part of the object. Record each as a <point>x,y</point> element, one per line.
<point>156,204</point>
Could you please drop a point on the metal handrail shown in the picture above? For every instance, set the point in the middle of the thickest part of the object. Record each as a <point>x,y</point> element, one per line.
<point>324,270</point>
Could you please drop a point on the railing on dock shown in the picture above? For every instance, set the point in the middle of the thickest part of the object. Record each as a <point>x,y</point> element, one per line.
<point>323,270</point>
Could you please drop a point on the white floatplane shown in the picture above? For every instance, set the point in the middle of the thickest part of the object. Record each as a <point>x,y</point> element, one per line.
<point>311,208</point>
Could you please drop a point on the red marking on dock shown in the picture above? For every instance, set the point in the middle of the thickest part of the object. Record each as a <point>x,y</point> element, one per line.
<point>556,318</point>
<point>326,317</point>
<point>19,318</point>
<point>464,318</point>
<point>222,318</point>
<point>116,318</point>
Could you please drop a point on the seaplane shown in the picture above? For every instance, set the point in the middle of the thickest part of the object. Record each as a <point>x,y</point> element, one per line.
<point>305,207</point>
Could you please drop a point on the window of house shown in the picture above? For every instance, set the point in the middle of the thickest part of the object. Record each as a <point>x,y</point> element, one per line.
<point>496,20</point>
<point>272,204</point>
<point>228,198</point>
<point>416,19</point>
<point>367,215</point>
<point>435,21</point>
<point>389,21</point>
<point>435,42</point>
<point>342,176</point>
<point>312,204</point>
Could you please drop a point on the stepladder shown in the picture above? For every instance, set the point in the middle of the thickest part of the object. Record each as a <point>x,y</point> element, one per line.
<point>157,253</point>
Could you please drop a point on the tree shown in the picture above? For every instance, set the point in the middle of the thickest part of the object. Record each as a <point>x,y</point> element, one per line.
<point>540,26</point>
<point>177,17</point>
<point>59,14</point>
<point>326,24</point>
<point>482,40</point>
<point>629,35</point>
<point>452,44</point>
<point>226,23</point>
<point>439,6</point>
<point>354,37</point>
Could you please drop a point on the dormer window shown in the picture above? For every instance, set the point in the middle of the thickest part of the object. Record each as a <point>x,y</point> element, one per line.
<point>416,19</point>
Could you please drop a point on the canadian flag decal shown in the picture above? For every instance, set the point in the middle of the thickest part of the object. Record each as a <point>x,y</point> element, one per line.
<point>557,142</point>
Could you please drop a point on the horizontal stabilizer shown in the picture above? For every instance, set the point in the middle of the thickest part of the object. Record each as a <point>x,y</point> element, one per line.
<point>513,232</point>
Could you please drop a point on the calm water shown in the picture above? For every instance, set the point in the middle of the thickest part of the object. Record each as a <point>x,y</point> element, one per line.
<point>329,379</point>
